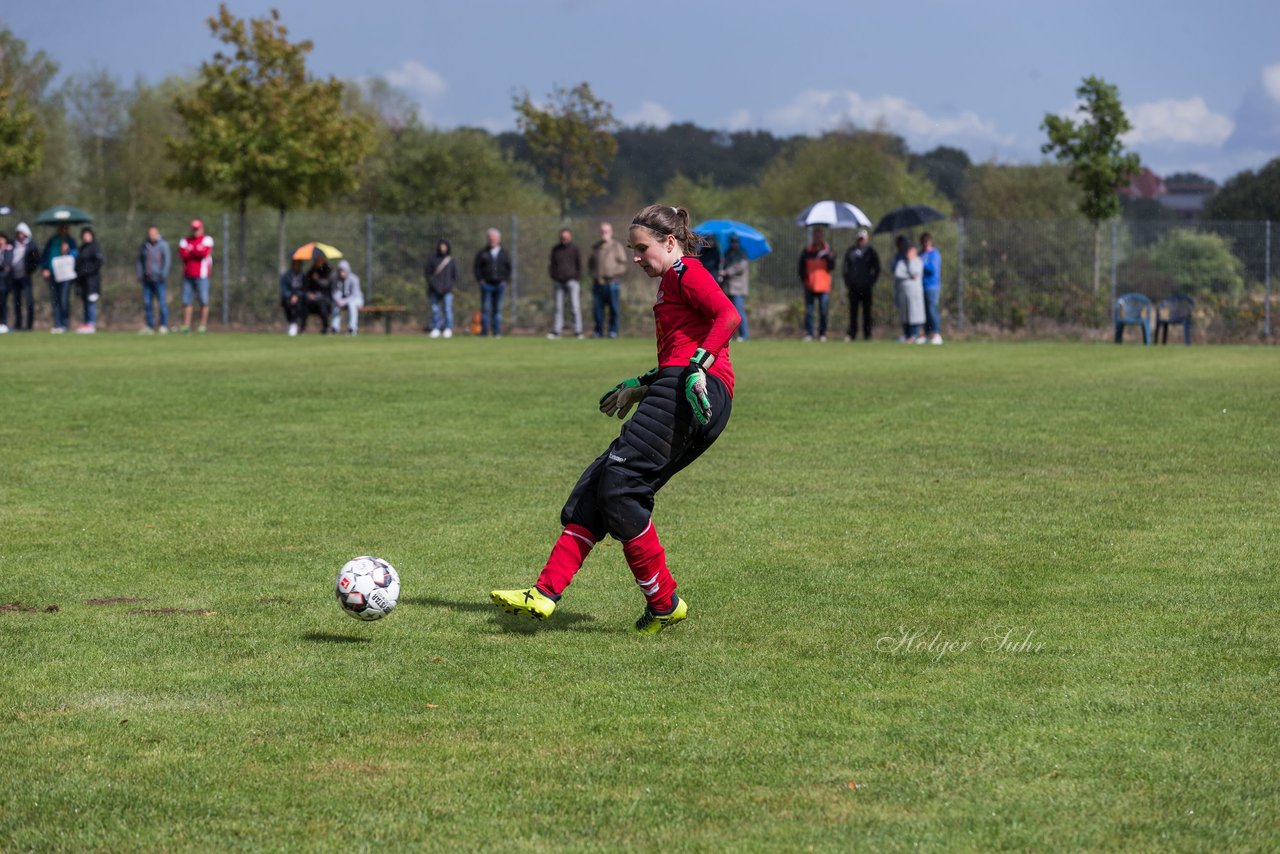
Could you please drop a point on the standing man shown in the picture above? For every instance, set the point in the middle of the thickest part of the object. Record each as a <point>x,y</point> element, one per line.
<point>25,262</point>
<point>153,270</point>
<point>196,252</point>
<point>6,269</point>
<point>932,260</point>
<point>492,270</point>
<point>861,270</point>
<point>816,263</point>
<point>565,269</point>
<point>608,264</point>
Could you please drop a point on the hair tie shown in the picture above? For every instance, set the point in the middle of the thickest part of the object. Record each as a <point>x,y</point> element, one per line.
<point>675,211</point>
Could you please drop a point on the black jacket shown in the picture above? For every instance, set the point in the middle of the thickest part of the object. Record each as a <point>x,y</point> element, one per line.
<point>492,270</point>
<point>861,266</point>
<point>89,268</point>
<point>566,263</point>
<point>441,280</point>
<point>30,262</point>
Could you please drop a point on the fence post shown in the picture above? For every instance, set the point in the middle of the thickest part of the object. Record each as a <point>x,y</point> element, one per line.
<point>515,270</point>
<point>226,268</point>
<point>1266,309</point>
<point>368,254</point>
<point>960,272</point>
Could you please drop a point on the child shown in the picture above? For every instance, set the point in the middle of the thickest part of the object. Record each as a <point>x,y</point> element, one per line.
<point>684,405</point>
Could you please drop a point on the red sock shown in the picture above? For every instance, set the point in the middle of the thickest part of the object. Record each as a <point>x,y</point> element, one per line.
<point>567,555</point>
<point>648,561</point>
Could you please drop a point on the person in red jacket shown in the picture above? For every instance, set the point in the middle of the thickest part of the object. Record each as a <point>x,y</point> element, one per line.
<point>196,252</point>
<point>683,405</point>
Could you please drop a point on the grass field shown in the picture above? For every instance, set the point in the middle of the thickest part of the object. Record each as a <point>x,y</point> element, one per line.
<point>875,524</point>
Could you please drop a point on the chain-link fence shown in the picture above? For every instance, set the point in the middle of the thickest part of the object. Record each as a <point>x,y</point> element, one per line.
<point>1022,278</point>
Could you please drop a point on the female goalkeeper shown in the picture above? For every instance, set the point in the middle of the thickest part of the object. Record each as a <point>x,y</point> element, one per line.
<point>682,404</point>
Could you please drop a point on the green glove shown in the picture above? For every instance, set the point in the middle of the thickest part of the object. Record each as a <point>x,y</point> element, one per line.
<point>626,394</point>
<point>695,385</point>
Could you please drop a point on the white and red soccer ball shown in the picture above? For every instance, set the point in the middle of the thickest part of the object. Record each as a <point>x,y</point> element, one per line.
<point>367,588</point>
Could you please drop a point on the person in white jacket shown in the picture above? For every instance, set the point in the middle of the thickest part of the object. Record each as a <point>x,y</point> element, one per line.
<point>346,297</point>
<point>908,290</point>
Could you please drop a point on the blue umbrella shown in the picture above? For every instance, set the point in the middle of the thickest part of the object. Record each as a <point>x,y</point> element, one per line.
<point>753,243</point>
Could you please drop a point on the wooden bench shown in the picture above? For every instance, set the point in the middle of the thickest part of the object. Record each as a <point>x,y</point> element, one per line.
<point>387,312</point>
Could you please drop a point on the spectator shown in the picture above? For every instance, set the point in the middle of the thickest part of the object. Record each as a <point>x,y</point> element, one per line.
<point>292,283</point>
<point>153,270</point>
<point>89,278</point>
<point>196,251</point>
<point>908,293</point>
<point>24,261</point>
<point>317,294</point>
<point>734,282</point>
<point>442,278</point>
<point>347,295</point>
<point>861,271</point>
<point>492,270</point>
<point>61,272</point>
<point>709,255</point>
<point>608,264</point>
<point>59,291</point>
<point>565,269</point>
<point>816,263</point>
<point>6,270</point>
<point>931,259</point>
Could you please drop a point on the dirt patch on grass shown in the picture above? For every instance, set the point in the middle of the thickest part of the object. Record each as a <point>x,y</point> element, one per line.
<point>19,608</point>
<point>116,600</point>
<point>164,612</point>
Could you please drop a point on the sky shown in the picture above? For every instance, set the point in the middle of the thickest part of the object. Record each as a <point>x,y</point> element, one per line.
<point>1199,81</point>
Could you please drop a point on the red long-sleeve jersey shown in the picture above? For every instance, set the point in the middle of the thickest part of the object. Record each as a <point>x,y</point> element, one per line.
<point>691,311</point>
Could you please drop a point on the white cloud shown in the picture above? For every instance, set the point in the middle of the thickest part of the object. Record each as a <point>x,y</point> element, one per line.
<point>417,79</point>
<point>1271,81</point>
<point>817,110</point>
<point>738,120</point>
<point>1183,122</point>
<point>650,114</point>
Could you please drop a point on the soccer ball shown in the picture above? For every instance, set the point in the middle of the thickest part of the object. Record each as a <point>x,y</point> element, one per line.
<point>367,588</point>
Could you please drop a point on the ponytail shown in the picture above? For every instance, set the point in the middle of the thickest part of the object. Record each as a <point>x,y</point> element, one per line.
<point>663,220</point>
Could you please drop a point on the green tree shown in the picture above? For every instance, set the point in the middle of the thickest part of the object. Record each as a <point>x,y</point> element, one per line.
<point>1099,166</point>
<point>23,80</point>
<point>946,167</point>
<point>1198,262</point>
<point>570,141</point>
<point>866,168</point>
<point>1004,192</point>
<point>259,127</point>
<point>1248,196</point>
<point>97,107</point>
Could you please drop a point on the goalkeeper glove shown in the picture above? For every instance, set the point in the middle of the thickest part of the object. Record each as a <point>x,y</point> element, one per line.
<point>695,385</point>
<point>626,394</point>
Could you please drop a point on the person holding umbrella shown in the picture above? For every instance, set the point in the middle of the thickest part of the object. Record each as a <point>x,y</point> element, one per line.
<point>816,263</point>
<point>89,278</point>
<point>733,279</point>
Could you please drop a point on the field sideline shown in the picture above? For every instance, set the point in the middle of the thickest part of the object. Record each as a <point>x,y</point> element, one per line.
<point>973,597</point>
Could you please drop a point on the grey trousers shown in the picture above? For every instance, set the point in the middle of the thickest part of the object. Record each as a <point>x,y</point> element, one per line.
<point>574,290</point>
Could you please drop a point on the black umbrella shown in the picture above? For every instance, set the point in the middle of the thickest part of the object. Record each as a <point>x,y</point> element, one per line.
<point>908,216</point>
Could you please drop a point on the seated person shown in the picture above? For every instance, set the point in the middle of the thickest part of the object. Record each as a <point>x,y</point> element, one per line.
<point>317,296</point>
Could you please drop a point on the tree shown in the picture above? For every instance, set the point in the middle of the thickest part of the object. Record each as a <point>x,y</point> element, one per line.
<point>946,167</point>
<point>1248,195</point>
<point>98,111</point>
<point>867,168</point>
<point>1198,262</point>
<point>259,127</point>
<point>23,80</point>
<point>570,141</point>
<point>1099,166</point>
